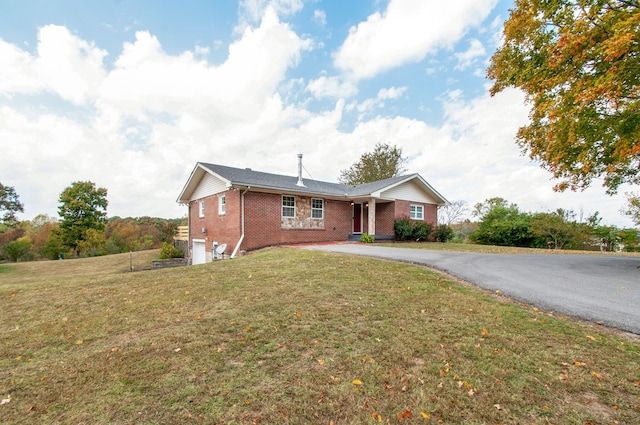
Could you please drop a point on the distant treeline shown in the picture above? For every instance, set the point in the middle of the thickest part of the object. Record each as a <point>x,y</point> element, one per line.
<point>40,239</point>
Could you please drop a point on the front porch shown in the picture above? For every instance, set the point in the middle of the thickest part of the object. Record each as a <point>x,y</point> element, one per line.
<point>373,217</point>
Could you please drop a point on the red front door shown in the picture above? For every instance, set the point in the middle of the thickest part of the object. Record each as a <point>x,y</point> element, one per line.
<point>357,218</point>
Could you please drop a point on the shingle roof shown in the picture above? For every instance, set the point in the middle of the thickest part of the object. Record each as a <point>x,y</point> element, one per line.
<point>248,177</point>
<point>259,180</point>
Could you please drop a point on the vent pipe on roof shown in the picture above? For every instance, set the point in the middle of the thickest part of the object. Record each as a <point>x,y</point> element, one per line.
<point>300,182</point>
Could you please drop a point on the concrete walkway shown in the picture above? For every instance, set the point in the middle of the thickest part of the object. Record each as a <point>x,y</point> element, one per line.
<point>598,288</point>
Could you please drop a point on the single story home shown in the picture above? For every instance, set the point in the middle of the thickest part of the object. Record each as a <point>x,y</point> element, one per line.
<point>246,209</point>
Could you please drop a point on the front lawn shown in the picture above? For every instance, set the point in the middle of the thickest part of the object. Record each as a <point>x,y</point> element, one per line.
<point>288,336</point>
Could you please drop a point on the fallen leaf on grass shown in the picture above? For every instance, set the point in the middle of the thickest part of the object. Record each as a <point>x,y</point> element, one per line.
<point>5,400</point>
<point>591,338</point>
<point>425,415</point>
<point>357,382</point>
<point>485,331</point>
<point>596,375</point>
<point>405,415</point>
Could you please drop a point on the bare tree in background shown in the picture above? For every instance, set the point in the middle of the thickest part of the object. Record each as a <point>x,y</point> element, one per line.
<point>452,213</point>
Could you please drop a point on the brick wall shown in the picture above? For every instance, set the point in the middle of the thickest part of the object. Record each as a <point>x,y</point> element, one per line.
<point>264,225</point>
<point>385,214</point>
<point>222,228</point>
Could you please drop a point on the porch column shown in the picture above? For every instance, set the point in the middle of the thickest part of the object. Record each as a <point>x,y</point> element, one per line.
<point>372,217</point>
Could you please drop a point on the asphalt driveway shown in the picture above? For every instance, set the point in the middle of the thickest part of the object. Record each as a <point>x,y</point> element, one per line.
<point>598,288</point>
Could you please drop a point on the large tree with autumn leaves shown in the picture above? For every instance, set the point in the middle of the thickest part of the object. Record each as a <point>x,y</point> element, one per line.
<point>578,62</point>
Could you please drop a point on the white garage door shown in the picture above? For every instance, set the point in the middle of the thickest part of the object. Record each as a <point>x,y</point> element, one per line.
<point>198,253</point>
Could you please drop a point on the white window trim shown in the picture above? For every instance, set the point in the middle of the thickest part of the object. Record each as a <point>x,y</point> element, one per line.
<point>321,209</point>
<point>222,204</point>
<point>201,208</point>
<point>288,206</point>
<point>416,212</point>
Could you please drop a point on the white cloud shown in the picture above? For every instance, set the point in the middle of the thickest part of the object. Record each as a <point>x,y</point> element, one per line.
<point>369,105</point>
<point>64,64</point>
<point>406,32</point>
<point>468,57</point>
<point>202,51</point>
<point>146,78</point>
<point>391,93</point>
<point>334,87</point>
<point>16,71</point>
<point>252,11</point>
<point>320,17</point>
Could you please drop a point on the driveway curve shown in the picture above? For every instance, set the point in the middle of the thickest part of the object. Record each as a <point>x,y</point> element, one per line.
<point>598,288</point>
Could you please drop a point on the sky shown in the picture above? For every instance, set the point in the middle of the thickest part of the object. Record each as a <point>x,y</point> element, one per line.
<point>131,94</point>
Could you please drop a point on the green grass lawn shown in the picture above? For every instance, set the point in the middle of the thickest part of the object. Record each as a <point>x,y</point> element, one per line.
<point>288,336</point>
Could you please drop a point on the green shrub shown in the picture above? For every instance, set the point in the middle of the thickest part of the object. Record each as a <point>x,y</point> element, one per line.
<point>421,231</point>
<point>406,229</point>
<point>444,233</point>
<point>17,249</point>
<point>403,228</point>
<point>169,251</point>
<point>367,238</point>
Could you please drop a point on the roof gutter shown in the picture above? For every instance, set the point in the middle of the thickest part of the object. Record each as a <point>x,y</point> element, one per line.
<point>235,250</point>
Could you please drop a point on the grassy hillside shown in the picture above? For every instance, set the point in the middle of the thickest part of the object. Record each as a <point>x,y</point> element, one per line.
<point>290,336</point>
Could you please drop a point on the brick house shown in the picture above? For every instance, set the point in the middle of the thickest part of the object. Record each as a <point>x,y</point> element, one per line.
<point>246,209</point>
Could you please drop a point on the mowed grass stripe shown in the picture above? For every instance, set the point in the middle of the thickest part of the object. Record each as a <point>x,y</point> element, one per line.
<point>292,336</point>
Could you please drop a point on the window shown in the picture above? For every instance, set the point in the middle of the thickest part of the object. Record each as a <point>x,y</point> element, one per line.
<point>288,206</point>
<point>416,212</point>
<point>222,203</point>
<point>317,208</point>
<point>201,208</point>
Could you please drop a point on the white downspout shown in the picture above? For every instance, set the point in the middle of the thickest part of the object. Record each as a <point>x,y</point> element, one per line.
<point>235,250</point>
<point>189,231</point>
